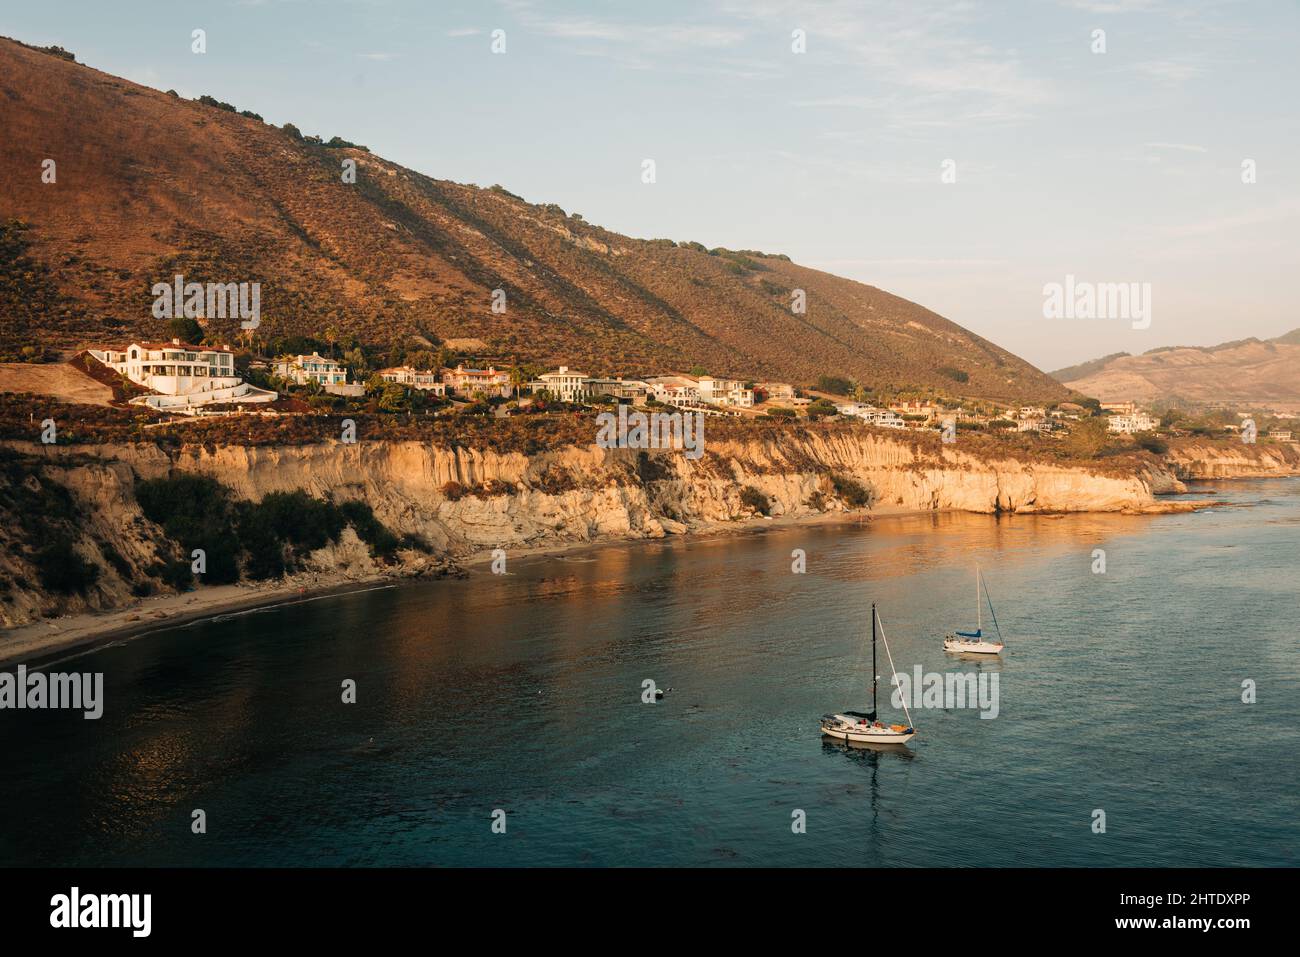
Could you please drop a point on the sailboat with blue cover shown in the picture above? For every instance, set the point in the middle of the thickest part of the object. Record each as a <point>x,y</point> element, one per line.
<point>976,642</point>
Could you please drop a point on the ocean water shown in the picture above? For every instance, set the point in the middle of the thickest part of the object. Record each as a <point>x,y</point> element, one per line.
<point>1119,692</point>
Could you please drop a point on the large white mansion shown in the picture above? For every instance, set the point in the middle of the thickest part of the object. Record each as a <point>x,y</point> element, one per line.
<point>184,376</point>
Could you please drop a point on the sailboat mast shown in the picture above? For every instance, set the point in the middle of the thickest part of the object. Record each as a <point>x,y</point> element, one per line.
<point>979,611</point>
<point>873,661</point>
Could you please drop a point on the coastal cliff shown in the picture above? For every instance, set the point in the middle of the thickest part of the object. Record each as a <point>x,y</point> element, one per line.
<point>462,501</point>
<point>1193,459</point>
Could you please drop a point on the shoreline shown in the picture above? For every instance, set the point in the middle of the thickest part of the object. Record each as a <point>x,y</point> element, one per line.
<point>45,642</point>
<point>51,640</point>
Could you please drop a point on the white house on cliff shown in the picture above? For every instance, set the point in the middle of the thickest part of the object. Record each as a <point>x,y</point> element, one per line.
<point>184,376</point>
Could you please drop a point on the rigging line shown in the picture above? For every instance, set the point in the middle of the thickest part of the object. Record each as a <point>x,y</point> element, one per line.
<point>988,599</point>
<point>894,671</point>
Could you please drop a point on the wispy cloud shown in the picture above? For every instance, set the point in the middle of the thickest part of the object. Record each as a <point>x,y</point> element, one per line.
<point>1117,6</point>
<point>1168,72</point>
<point>1262,216</point>
<point>1184,147</point>
<point>924,64</point>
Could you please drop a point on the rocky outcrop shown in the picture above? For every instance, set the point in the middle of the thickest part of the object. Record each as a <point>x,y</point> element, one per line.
<point>1226,460</point>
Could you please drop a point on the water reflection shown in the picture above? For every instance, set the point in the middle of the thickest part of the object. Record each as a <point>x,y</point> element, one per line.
<point>524,692</point>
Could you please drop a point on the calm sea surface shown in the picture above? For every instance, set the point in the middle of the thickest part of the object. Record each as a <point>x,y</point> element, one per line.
<point>1118,691</point>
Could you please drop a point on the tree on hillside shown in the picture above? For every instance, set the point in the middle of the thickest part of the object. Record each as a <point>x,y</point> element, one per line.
<point>822,408</point>
<point>422,360</point>
<point>834,384</point>
<point>517,379</point>
<point>1088,437</point>
<point>355,359</point>
<point>186,330</point>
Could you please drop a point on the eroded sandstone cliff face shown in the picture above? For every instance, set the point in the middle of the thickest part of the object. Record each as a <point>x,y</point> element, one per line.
<point>462,501</point>
<point>1215,460</point>
<point>586,493</point>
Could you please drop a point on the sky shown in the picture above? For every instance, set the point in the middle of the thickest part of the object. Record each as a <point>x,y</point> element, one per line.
<point>1122,166</point>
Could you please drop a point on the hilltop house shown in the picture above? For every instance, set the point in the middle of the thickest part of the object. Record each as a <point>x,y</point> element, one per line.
<point>466,382</point>
<point>631,390</point>
<point>315,368</point>
<point>1120,408</point>
<point>679,391</point>
<point>565,385</point>
<point>1043,425</point>
<point>730,392</point>
<point>425,381</point>
<point>1137,422</point>
<point>925,411</point>
<point>780,391</point>
<point>186,376</point>
<point>884,418</point>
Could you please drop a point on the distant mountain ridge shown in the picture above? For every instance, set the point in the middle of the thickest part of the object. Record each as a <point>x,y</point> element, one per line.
<point>150,185</point>
<point>1253,372</point>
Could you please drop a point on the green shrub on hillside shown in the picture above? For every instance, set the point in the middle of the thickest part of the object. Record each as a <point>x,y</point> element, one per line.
<point>821,409</point>
<point>1152,442</point>
<point>853,493</point>
<point>751,497</point>
<point>63,570</point>
<point>257,540</point>
<point>195,511</point>
<point>834,384</point>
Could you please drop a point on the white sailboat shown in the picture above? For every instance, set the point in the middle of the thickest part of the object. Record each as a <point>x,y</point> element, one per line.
<point>863,727</point>
<point>974,642</point>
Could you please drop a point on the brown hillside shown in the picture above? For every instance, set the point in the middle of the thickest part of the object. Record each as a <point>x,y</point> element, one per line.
<point>1250,373</point>
<point>150,185</point>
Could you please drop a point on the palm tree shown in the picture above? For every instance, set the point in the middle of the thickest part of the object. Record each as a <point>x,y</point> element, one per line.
<point>517,379</point>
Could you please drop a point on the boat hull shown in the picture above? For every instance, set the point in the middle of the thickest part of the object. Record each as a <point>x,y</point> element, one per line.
<point>972,647</point>
<point>870,737</point>
<point>865,734</point>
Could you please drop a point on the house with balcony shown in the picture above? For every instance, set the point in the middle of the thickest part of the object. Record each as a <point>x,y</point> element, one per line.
<point>775,391</point>
<point>306,370</point>
<point>1137,422</point>
<point>634,391</point>
<point>181,375</point>
<point>679,391</point>
<point>422,379</point>
<point>466,383</point>
<point>728,392</point>
<point>565,385</point>
<point>883,418</point>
